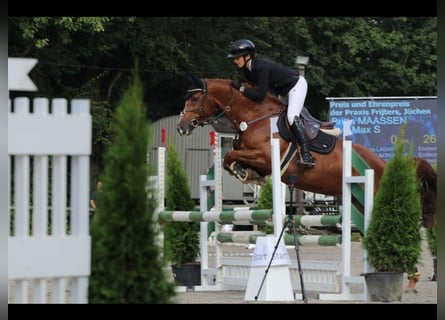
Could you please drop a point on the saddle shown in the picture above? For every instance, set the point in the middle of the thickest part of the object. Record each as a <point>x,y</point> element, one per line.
<point>313,125</point>
<point>316,130</point>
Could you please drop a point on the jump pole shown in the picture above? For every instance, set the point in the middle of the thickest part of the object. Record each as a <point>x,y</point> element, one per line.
<point>161,171</point>
<point>216,184</point>
<point>276,284</point>
<point>159,181</point>
<point>348,179</point>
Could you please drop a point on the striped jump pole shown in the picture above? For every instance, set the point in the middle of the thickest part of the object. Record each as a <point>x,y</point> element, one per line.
<point>261,217</point>
<point>304,240</point>
<point>247,217</point>
<point>317,220</point>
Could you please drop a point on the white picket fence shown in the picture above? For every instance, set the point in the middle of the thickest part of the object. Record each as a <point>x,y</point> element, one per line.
<point>49,246</point>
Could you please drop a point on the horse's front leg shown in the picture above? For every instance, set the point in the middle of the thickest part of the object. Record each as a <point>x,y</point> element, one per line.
<point>244,165</point>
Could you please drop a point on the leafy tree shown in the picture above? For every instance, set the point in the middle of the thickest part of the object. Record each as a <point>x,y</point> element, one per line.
<point>349,56</point>
<point>181,239</point>
<point>126,263</point>
<point>369,56</point>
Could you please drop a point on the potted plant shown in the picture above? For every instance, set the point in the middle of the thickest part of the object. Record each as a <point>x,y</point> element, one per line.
<point>393,238</point>
<point>181,239</point>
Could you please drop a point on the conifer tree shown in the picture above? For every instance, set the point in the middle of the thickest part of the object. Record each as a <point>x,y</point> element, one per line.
<point>127,266</point>
<point>393,238</point>
<point>181,239</point>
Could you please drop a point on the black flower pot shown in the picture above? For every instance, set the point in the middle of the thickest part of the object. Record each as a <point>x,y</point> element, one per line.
<point>384,286</point>
<point>188,275</point>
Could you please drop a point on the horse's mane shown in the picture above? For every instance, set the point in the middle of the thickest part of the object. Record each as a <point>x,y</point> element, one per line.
<point>270,99</point>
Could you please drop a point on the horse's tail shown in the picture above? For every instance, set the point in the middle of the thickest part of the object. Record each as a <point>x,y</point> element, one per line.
<point>427,177</point>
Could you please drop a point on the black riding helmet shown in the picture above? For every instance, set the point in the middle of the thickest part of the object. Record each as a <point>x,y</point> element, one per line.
<point>241,48</point>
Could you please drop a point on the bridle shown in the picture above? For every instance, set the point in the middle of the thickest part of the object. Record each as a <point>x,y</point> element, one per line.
<point>218,111</point>
<point>200,111</point>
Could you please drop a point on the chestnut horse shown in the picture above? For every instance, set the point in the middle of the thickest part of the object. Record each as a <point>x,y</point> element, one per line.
<point>209,101</point>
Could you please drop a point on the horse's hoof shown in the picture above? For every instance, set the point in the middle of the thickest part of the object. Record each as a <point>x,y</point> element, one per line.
<point>241,177</point>
<point>411,290</point>
<point>262,181</point>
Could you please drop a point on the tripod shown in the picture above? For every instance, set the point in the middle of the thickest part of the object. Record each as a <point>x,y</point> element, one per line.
<point>289,222</point>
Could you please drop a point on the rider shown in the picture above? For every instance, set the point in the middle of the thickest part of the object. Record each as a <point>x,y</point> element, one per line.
<point>287,83</point>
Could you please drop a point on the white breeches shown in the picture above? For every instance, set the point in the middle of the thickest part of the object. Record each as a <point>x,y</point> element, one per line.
<point>295,99</point>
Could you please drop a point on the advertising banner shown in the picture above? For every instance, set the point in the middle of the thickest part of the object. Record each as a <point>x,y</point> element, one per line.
<point>375,123</point>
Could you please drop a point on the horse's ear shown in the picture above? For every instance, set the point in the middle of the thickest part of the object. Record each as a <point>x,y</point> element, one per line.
<point>193,81</point>
<point>189,81</point>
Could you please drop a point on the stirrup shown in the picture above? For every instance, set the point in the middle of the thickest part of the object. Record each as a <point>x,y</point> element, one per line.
<point>304,164</point>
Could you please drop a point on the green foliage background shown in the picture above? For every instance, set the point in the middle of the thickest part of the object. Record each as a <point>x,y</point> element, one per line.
<point>91,57</point>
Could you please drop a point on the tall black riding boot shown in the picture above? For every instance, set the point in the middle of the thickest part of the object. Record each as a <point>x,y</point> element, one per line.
<point>299,131</point>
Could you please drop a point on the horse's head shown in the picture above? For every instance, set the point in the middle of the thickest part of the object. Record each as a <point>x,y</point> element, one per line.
<point>199,108</point>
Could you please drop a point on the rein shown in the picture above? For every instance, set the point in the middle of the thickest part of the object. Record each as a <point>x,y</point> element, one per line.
<point>263,117</point>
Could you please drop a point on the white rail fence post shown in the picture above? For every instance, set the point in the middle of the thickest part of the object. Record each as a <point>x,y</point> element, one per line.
<point>48,193</point>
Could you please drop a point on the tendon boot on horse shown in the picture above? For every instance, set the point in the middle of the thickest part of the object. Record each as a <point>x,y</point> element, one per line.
<point>238,171</point>
<point>299,131</point>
